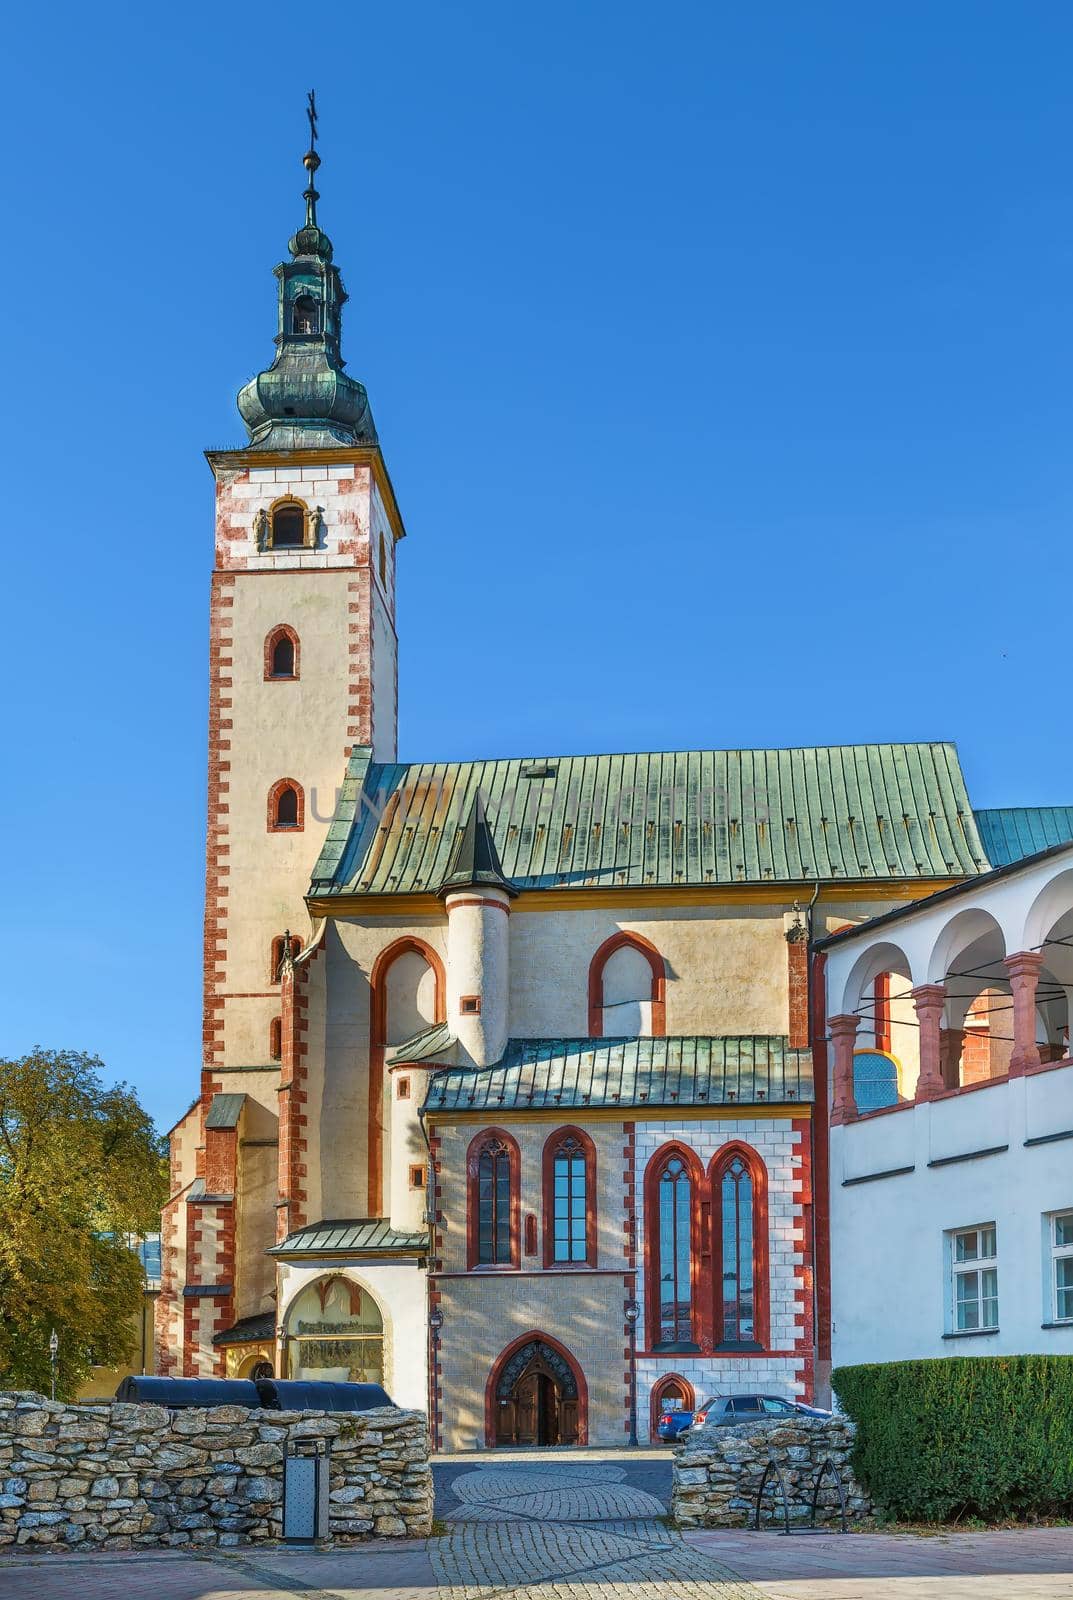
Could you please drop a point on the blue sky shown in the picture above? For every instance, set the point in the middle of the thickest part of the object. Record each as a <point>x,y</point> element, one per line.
<point>720,355</point>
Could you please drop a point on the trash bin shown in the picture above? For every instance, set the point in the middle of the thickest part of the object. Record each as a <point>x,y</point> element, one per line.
<point>305,1491</point>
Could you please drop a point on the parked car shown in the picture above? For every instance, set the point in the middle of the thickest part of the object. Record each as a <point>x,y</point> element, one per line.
<point>724,1410</point>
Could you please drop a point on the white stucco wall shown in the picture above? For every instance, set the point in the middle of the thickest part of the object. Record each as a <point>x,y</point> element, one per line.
<point>891,1290</point>
<point>398,1288</point>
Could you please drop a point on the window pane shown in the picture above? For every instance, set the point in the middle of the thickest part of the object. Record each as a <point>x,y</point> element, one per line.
<point>1064,1285</point>
<point>989,1291</point>
<point>967,1289</point>
<point>987,1243</point>
<point>1063,1229</point>
<point>966,1246</point>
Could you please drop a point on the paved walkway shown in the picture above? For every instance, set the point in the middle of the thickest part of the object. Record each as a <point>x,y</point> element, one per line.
<point>569,1526</point>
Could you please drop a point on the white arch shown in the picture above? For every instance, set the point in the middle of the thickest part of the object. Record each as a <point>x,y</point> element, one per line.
<point>959,938</point>
<point>1052,903</point>
<point>386,1324</point>
<point>883,957</point>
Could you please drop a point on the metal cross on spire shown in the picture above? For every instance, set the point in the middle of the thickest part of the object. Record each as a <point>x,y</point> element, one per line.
<point>311,161</point>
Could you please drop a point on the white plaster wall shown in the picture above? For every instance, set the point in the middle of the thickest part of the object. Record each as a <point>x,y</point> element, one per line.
<point>398,1288</point>
<point>407,1148</point>
<point>890,1286</point>
<point>778,1146</point>
<point>478,963</point>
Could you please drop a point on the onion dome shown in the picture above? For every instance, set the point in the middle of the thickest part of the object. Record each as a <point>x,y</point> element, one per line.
<point>305,399</point>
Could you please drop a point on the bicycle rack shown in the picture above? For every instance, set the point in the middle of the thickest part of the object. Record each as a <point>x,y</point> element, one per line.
<point>772,1471</point>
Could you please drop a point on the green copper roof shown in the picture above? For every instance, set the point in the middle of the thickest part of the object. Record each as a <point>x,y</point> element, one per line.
<point>574,1074</point>
<point>363,1236</point>
<point>1014,832</point>
<point>432,1044</point>
<point>225,1111</point>
<point>678,818</point>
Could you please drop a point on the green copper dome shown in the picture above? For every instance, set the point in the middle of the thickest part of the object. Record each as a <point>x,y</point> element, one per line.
<point>305,400</point>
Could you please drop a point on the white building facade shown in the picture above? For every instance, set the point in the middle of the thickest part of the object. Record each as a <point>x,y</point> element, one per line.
<point>951,1210</point>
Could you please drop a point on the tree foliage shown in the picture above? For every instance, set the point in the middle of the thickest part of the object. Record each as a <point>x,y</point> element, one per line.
<point>984,1436</point>
<point>81,1168</point>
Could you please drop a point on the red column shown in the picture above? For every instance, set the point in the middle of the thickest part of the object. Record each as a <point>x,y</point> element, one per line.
<point>843,1031</point>
<point>1024,970</point>
<point>929,999</point>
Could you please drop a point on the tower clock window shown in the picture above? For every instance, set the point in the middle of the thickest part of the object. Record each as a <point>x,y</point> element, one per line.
<point>288,526</point>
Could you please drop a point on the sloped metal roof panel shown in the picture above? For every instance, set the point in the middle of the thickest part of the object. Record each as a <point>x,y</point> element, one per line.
<point>225,1111</point>
<point>663,819</point>
<point>575,1073</point>
<point>367,1235</point>
<point>1013,832</point>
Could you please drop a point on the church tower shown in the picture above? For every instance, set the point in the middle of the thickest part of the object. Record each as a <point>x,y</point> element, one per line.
<point>302,670</point>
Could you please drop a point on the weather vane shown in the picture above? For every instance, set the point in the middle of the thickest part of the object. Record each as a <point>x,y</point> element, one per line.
<point>311,161</point>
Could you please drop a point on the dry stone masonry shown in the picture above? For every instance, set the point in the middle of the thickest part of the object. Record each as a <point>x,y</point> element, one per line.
<point>116,1476</point>
<point>718,1472</point>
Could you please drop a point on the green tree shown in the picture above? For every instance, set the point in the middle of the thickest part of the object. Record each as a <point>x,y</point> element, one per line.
<point>80,1168</point>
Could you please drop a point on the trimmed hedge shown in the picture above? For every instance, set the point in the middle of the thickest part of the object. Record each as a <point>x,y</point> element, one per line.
<point>983,1436</point>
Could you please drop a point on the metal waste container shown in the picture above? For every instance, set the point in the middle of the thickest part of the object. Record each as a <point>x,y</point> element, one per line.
<point>305,1491</point>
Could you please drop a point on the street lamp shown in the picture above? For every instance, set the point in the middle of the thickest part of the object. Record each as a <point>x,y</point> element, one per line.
<point>53,1352</point>
<point>632,1312</point>
<point>435,1323</point>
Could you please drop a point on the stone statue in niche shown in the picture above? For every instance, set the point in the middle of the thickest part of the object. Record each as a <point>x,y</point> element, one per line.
<point>316,528</point>
<point>260,530</point>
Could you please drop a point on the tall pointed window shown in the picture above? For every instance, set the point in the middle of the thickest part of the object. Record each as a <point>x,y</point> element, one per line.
<point>736,1221</point>
<point>286,808</point>
<point>675,1318</point>
<point>283,657</point>
<point>493,1202</point>
<point>739,1216</point>
<point>569,1199</point>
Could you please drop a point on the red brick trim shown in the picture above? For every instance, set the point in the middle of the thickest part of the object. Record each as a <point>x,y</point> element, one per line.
<point>881,1024</point>
<point>588,1149</point>
<point>500,1363</point>
<point>514,1162</point>
<point>275,961</point>
<point>454,902</point>
<point>797,965</point>
<point>804,1241</point>
<point>293,1096</point>
<point>699,1258</point>
<point>378,1021</point>
<point>274,794</point>
<point>619,941</point>
<point>659,1389</point>
<point>761,1265</point>
<point>821,1189</point>
<point>282,631</point>
<point>629,1185</point>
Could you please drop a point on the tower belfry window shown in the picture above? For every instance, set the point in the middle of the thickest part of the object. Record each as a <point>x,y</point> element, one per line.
<point>288,527</point>
<point>306,315</point>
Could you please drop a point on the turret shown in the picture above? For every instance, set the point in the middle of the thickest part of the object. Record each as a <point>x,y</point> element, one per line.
<point>477,896</point>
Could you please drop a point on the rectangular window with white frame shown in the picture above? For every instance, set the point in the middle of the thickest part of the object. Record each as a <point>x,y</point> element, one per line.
<point>973,1283</point>
<point>1061,1253</point>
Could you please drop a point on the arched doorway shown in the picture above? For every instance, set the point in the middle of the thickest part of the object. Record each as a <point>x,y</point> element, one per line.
<point>670,1393</point>
<point>536,1395</point>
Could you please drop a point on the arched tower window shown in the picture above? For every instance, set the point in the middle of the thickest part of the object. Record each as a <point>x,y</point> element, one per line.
<point>286,807</point>
<point>288,519</point>
<point>627,989</point>
<point>493,1202</point>
<point>306,315</point>
<point>569,1199</point>
<point>281,654</point>
<point>673,1181</point>
<point>275,1038</point>
<point>739,1212</point>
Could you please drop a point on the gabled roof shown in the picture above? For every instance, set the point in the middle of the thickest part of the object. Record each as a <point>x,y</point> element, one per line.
<point>1013,832</point>
<point>362,1236</point>
<point>575,1074</point>
<point>852,813</point>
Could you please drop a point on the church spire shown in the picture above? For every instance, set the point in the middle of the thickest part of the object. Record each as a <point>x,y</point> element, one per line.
<point>305,400</point>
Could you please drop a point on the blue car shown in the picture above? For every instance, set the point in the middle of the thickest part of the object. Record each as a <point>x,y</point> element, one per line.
<point>726,1409</point>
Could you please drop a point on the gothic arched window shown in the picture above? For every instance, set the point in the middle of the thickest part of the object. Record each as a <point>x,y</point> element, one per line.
<point>569,1199</point>
<point>288,525</point>
<point>493,1201</point>
<point>285,807</point>
<point>306,315</point>
<point>281,654</point>
<point>739,1209</point>
<point>673,1181</point>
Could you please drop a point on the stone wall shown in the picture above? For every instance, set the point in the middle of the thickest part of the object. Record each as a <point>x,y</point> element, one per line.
<point>718,1472</point>
<point>117,1476</point>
